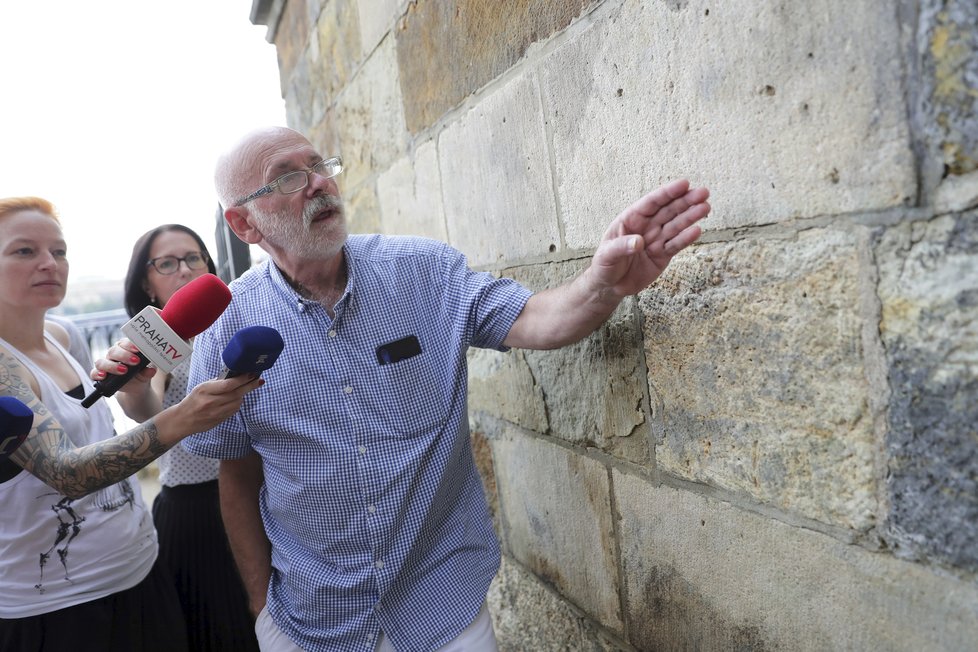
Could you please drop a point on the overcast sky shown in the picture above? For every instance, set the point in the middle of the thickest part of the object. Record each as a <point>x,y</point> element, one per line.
<point>116,111</point>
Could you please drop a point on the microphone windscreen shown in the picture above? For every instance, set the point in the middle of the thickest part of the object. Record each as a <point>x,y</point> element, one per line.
<point>196,305</point>
<point>16,420</point>
<point>252,350</point>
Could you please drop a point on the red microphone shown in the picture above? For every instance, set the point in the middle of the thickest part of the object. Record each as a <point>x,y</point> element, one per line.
<point>162,335</point>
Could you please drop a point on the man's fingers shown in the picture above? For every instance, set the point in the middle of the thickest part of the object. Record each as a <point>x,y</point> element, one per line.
<point>685,238</point>
<point>682,221</point>
<point>662,205</point>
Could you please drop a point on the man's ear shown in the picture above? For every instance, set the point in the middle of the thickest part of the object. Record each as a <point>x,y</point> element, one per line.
<point>238,221</point>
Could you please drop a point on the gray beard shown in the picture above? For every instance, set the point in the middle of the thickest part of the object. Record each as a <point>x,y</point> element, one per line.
<point>284,231</point>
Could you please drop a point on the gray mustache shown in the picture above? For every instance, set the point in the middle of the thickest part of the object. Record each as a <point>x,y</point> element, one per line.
<point>320,204</point>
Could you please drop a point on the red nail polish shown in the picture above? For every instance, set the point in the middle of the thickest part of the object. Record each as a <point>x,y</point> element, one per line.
<point>134,359</point>
<point>122,368</point>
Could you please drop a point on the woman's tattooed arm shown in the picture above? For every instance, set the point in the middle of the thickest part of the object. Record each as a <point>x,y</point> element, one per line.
<point>49,454</point>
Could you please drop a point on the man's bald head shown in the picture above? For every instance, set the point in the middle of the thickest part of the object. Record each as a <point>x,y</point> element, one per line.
<point>238,169</point>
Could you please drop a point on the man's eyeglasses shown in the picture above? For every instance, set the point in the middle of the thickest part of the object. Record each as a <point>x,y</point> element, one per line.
<point>167,265</point>
<point>295,181</point>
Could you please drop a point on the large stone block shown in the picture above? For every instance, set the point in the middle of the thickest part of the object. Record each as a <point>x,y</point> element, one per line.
<point>370,119</point>
<point>375,19</point>
<point>528,616</point>
<point>410,195</point>
<point>783,110</point>
<point>558,521</point>
<point>762,357</point>
<point>594,391</point>
<point>336,52</point>
<point>498,190</point>
<point>502,385</point>
<point>447,50</point>
<point>929,290</point>
<point>703,575</point>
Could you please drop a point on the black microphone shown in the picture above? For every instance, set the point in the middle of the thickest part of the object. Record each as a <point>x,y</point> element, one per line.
<point>252,350</point>
<point>16,420</point>
<point>162,335</point>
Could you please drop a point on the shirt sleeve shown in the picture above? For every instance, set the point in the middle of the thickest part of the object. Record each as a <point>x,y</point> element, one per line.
<point>228,440</point>
<point>491,305</point>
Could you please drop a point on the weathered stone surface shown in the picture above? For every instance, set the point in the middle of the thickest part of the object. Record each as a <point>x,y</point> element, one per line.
<point>948,42</point>
<point>757,360</point>
<point>957,193</point>
<point>362,209</point>
<point>410,195</point>
<point>929,290</point>
<point>703,575</point>
<point>376,19</point>
<point>369,118</point>
<point>482,455</point>
<point>447,50</point>
<point>502,385</point>
<point>292,35</point>
<point>334,53</point>
<point>498,190</point>
<point>557,521</point>
<point>593,390</point>
<point>783,112</point>
<point>324,136</point>
<point>528,616</point>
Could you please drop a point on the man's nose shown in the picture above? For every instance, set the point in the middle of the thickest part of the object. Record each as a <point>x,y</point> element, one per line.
<point>319,184</point>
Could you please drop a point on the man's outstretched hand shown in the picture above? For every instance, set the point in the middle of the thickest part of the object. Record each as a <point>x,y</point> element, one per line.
<point>640,242</point>
<point>633,252</point>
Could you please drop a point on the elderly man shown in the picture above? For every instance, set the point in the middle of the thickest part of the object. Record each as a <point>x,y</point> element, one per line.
<point>353,506</point>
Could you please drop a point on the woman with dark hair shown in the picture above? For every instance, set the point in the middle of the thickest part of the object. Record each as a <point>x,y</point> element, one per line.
<point>78,552</point>
<point>187,510</point>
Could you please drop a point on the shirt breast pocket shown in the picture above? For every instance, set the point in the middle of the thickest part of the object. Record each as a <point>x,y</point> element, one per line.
<point>412,398</point>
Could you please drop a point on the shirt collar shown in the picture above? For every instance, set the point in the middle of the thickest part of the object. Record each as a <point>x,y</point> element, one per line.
<point>301,304</point>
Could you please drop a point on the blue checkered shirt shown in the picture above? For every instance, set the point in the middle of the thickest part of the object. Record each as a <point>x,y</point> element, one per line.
<point>372,501</point>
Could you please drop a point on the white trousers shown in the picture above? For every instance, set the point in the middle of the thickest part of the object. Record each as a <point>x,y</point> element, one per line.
<point>477,637</point>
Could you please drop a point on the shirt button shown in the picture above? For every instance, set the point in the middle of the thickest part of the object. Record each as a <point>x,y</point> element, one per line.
<point>379,563</point>
<point>348,389</point>
<point>362,449</point>
<point>371,508</point>
<point>332,333</point>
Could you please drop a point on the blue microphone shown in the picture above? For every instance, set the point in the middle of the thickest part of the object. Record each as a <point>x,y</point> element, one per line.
<point>16,420</point>
<point>252,350</point>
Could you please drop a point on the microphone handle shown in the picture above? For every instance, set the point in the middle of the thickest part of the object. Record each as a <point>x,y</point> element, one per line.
<point>110,385</point>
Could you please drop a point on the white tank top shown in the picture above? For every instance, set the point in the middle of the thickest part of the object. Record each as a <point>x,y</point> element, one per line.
<point>56,551</point>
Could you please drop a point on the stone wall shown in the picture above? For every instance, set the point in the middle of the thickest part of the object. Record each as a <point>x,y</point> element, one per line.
<point>775,445</point>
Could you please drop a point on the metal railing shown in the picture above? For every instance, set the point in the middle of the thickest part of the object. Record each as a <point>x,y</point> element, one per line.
<point>100,329</point>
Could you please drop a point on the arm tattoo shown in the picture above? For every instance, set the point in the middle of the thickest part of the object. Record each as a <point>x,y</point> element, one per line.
<point>50,455</point>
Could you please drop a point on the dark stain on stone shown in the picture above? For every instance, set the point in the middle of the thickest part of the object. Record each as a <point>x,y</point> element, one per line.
<point>933,458</point>
<point>673,615</point>
<point>932,442</point>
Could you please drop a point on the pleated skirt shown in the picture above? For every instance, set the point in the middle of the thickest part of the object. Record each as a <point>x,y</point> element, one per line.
<point>195,550</point>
